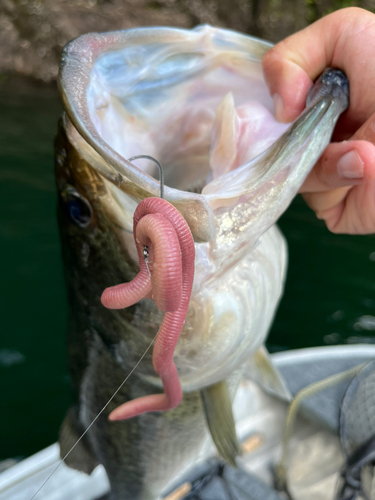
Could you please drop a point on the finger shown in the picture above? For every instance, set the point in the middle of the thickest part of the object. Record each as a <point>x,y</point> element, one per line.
<point>341,164</point>
<point>346,163</point>
<point>289,86</point>
<point>292,64</point>
<point>321,202</point>
<point>354,214</point>
<point>347,208</point>
<point>339,40</point>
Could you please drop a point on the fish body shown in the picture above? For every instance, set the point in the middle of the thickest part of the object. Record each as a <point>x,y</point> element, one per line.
<point>188,99</point>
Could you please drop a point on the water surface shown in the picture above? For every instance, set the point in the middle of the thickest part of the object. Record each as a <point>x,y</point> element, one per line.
<point>329,295</point>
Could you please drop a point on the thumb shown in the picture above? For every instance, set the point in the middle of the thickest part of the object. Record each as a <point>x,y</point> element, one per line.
<point>292,64</point>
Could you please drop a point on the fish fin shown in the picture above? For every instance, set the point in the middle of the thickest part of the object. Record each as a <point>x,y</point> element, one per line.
<point>261,369</point>
<point>219,416</point>
<point>82,457</point>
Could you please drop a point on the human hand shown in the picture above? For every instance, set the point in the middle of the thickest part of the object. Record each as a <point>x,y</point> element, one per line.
<point>341,186</point>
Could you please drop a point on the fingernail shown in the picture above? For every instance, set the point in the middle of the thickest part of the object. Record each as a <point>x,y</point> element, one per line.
<point>278,106</point>
<point>350,166</point>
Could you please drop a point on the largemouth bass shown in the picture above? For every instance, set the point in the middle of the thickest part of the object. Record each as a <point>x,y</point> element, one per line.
<point>195,100</point>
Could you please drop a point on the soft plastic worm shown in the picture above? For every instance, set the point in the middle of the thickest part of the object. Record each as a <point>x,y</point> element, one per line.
<point>161,228</point>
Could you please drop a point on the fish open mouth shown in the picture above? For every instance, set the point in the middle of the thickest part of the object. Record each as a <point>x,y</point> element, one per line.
<point>197,102</point>
<point>186,98</point>
<point>161,99</point>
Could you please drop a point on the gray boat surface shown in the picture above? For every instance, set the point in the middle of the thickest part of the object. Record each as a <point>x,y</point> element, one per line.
<point>315,459</point>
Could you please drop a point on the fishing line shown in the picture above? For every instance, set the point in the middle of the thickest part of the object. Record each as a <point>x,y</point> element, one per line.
<point>146,255</point>
<point>96,418</point>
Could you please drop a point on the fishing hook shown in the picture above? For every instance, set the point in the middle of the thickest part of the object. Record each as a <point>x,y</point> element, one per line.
<point>161,174</point>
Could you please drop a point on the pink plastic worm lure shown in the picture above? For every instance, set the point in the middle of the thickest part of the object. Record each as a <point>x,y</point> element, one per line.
<point>161,228</point>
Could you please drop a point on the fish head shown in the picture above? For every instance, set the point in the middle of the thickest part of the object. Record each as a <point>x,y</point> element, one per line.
<point>197,102</point>
<point>93,236</point>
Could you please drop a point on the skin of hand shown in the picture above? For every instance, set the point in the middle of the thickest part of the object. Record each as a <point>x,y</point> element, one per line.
<point>341,186</point>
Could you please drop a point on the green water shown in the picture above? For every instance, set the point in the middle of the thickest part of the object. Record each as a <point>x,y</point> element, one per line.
<point>330,282</point>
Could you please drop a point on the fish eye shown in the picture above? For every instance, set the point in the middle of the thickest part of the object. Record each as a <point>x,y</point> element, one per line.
<point>77,207</point>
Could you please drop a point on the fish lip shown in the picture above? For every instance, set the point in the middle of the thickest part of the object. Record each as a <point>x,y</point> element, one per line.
<point>78,59</point>
<point>332,82</point>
